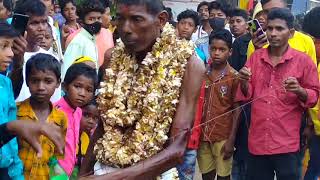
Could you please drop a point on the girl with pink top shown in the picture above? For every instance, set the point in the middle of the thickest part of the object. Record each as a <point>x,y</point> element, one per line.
<point>68,11</point>
<point>79,86</point>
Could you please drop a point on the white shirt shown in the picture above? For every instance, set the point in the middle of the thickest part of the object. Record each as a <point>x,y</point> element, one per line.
<point>24,92</point>
<point>200,33</point>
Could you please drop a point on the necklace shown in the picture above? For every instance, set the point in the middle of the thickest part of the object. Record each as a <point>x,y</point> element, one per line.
<point>138,102</point>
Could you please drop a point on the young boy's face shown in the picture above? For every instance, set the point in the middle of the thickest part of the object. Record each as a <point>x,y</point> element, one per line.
<point>49,6</point>
<point>4,12</point>
<point>217,13</point>
<point>93,17</point>
<point>219,52</point>
<point>80,91</point>
<point>238,26</point>
<point>186,27</point>
<point>6,53</point>
<point>47,40</point>
<point>42,84</point>
<point>90,116</point>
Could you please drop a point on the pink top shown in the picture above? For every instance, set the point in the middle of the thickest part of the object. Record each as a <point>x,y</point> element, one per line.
<point>276,114</point>
<point>104,41</point>
<point>72,135</point>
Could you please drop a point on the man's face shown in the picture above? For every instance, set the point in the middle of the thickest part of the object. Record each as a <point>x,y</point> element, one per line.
<point>278,32</point>
<point>238,26</point>
<point>274,4</point>
<point>217,13</point>
<point>6,53</point>
<point>36,28</point>
<point>92,17</point>
<point>219,52</point>
<point>4,12</point>
<point>138,29</point>
<point>204,12</point>
<point>186,27</point>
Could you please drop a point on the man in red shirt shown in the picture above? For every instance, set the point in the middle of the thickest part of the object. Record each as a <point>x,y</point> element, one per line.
<point>281,83</point>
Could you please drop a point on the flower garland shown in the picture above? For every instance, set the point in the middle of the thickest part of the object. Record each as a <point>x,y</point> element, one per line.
<point>138,102</point>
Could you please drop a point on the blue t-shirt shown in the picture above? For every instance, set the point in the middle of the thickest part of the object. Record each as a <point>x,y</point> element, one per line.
<point>9,157</point>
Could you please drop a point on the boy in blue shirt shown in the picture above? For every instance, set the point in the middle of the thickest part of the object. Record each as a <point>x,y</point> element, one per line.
<point>10,164</point>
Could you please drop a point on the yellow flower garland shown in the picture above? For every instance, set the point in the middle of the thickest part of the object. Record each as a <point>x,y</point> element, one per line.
<point>138,102</point>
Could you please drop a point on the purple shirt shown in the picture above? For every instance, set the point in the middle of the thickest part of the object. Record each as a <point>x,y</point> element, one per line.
<point>72,136</point>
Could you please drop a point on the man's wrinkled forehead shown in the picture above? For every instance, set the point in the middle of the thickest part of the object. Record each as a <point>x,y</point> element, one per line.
<point>274,4</point>
<point>133,10</point>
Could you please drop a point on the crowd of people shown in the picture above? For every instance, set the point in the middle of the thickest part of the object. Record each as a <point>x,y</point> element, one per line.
<point>141,95</point>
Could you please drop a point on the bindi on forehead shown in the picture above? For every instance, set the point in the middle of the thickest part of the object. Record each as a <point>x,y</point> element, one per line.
<point>124,8</point>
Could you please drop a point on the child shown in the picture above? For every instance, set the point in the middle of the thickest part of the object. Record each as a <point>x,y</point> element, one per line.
<point>218,136</point>
<point>42,77</point>
<point>68,11</point>
<point>10,163</point>
<point>47,40</point>
<point>79,85</point>
<point>89,120</point>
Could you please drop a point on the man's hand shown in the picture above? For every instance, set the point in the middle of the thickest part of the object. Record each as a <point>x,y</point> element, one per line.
<point>227,150</point>
<point>291,84</point>
<point>245,74</point>
<point>19,48</point>
<point>31,131</point>
<point>259,40</point>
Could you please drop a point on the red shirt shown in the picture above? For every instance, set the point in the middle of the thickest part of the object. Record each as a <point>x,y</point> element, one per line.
<point>276,114</point>
<point>194,139</point>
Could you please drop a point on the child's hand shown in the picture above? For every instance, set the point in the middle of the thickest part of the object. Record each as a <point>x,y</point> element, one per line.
<point>227,150</point>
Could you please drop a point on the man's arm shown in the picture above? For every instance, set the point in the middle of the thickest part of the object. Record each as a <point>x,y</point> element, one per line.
<point>16,75</point>
<point>31,131</point>
<point>170,156</point>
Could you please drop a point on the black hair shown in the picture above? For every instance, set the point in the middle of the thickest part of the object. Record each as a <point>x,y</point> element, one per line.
<point>42,62</point>
<point>189,14</point>
<point>30,7</point>
<point>203,3</point>
<point>8,4</point>
<point>89,6</point>
<point>239,12</point>
<point>63,3</point>
<point>79,69</point>
<point>105,3</point>
<point>220,5</point>
<point>283,14</point>
<point>223,35</point>
<point>92,102</point>
<point>153,6</point>
<point>6,30</point>
<point>169,11</point>
<point>309,26</point>
<point>263,2</point>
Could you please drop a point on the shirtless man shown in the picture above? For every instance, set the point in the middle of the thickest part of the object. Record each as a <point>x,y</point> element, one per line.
<point>139,24</point>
